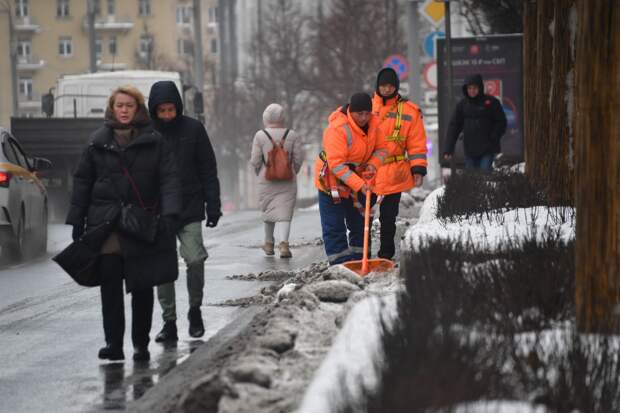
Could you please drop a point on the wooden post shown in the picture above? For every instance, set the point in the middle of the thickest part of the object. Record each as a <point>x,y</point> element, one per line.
<point>597,166</point>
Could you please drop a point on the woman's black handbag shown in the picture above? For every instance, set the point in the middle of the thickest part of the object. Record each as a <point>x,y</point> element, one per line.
<point>138,222</point>
<point>80,262</point>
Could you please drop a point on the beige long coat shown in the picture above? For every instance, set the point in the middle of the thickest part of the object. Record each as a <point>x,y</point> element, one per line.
<point>277,198</point>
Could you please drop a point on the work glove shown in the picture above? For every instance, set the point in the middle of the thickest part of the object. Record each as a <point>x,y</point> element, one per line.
<point>78,231</point>
<point>212,220</point>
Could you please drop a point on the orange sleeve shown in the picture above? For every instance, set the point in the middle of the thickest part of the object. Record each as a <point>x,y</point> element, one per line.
<point>416,140</point>
<point>380,151</point>
<point>337,151</point>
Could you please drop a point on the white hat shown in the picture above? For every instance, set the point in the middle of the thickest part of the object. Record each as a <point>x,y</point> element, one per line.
<point>273,116</point>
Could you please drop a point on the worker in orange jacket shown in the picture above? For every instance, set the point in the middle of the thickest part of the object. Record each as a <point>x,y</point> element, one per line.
<point>401,132</point>
<point>349,147</point>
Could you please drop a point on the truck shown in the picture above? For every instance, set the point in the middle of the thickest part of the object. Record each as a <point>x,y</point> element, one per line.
<point>75,107</point>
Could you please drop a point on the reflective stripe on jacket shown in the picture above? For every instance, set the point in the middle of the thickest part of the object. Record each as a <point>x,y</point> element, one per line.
<point>346,146</point>
<point>406,148</point>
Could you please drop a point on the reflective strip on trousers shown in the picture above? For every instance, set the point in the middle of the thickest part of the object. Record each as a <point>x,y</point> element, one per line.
<point>334,257</point>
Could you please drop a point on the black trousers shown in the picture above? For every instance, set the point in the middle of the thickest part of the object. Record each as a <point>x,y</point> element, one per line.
<point>113,305</point>
<point>388,213</point>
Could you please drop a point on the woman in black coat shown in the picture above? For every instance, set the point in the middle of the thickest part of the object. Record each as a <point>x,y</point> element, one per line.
<point>126,163</point>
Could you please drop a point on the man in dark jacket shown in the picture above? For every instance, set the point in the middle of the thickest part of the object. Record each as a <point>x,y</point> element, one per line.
<point>482,120</point>
<point>197,172</point>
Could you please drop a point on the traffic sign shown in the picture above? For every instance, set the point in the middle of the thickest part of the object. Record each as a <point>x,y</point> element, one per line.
<point>430,75</point>
<point>399,64</point>
<point>434,11</point>
<point>429,43</point>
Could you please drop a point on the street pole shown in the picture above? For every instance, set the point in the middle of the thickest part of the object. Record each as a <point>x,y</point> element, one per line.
<point>413,52</point>
<point>12,56</point>
<point>91,36</point>
<point>199,64</point>
<point>448,52</point>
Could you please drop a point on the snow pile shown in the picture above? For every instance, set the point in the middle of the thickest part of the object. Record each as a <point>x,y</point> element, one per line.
<point>488,232</point>
<point>276,357</point>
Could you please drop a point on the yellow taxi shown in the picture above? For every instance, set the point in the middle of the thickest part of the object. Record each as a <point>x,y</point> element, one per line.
<point>23,201</point>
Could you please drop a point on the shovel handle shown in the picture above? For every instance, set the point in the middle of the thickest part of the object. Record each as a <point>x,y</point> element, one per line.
<point>366,233</point>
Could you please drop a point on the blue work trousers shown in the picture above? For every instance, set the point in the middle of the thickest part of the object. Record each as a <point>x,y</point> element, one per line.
<point>483,162</point>
<point>336,221</point>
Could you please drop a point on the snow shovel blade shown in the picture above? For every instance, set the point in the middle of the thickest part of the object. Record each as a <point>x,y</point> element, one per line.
<point>373,265</point>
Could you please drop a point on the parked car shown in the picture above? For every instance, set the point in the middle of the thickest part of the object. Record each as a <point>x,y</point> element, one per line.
<point>23,201</point>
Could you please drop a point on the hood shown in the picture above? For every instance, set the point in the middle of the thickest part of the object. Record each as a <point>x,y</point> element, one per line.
<point>164,91</point>
<point>473,80</point>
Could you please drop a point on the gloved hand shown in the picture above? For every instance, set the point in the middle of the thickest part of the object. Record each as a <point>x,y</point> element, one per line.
<point>78,231</point>
<point>212,220</point>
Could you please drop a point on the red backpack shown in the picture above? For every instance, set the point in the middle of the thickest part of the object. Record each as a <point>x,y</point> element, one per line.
<point>278,165</point>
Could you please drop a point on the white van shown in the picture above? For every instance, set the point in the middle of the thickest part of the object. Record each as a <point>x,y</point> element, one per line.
<point>86,96</point>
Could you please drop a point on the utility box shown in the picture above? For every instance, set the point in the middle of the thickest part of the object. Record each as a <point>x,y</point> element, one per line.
<point>499,60</point>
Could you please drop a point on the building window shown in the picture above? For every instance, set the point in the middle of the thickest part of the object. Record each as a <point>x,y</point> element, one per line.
<point>212,14</point>
<point>98,48</point>
<point>144,7</point>
<point>214,46</point>
<point>111,7</point>
<point>184,14</point>
<point>24,50</point>
<point>21,8</point>
<point>112,46</point>
<point>97,6</point>
<point>146,46</point>
<point>62,8</point>
<point>25,87</point>
<point>185,47</point>
<point>65,47</point>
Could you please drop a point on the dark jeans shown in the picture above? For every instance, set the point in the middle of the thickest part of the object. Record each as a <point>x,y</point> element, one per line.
<point>483,162</point>
<point>113,306</point>
<point>387,218</point>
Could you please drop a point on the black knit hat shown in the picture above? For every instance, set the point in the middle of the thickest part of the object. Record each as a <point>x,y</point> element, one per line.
<point>360,102</point>
<point>388,76</point>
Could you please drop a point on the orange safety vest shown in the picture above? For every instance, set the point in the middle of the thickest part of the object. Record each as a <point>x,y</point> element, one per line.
<point>401,133</point>
<point>345,147</point>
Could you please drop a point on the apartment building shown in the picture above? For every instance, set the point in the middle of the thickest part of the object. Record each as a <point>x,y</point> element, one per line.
<point>51,39</point>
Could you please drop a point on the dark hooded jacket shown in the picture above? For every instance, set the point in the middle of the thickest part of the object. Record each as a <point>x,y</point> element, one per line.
<point>481,119</point>
<point>100,187</point>
<point>195,157</point>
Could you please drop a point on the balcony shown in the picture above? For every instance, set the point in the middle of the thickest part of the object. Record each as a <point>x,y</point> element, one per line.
<point>111,24</point>
<point>30,102</point>
<point>29,63</point>
<point>26,25</point>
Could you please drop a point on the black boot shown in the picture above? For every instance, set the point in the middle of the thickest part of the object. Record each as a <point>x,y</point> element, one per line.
<point>141,354</point>
<point>110,352</point>
<point>196,327</point>
<point>168,333</point>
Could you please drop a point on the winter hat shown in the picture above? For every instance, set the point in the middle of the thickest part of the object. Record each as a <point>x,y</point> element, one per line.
<point>387,76</point>
<point>360,102</point>
<point>273,116</point>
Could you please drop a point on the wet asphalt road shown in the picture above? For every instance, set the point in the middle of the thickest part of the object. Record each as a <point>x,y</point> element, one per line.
<point>51,330</point>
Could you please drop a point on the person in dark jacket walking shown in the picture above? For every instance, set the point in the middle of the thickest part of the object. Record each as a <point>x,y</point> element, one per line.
<point>201,191</point>
<point>126,163</point>
<point>482,120</point>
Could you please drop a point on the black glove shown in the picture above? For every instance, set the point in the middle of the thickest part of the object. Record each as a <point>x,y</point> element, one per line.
<point>212,220</point>
<point>78,231</point>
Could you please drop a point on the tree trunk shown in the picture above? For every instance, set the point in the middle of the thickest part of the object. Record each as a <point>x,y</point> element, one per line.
<point>548,83</point>
<point>597,162</point>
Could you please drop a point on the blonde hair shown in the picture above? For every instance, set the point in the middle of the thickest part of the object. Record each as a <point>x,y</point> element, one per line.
<point>127,90</point>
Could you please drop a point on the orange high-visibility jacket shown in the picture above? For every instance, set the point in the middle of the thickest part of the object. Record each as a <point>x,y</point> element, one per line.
<point>405,150</point>
<point>346,146</point>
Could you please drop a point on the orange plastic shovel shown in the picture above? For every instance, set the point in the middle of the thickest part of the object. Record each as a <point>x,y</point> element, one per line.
<point>364,266</point>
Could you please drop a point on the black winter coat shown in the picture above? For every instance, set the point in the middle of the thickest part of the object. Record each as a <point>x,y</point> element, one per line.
<point>99,188</point>
<point>195,157</point>
<point>482,121</point>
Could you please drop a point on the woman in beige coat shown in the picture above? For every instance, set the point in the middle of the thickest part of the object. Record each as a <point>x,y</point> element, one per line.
<point>277,198</point>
